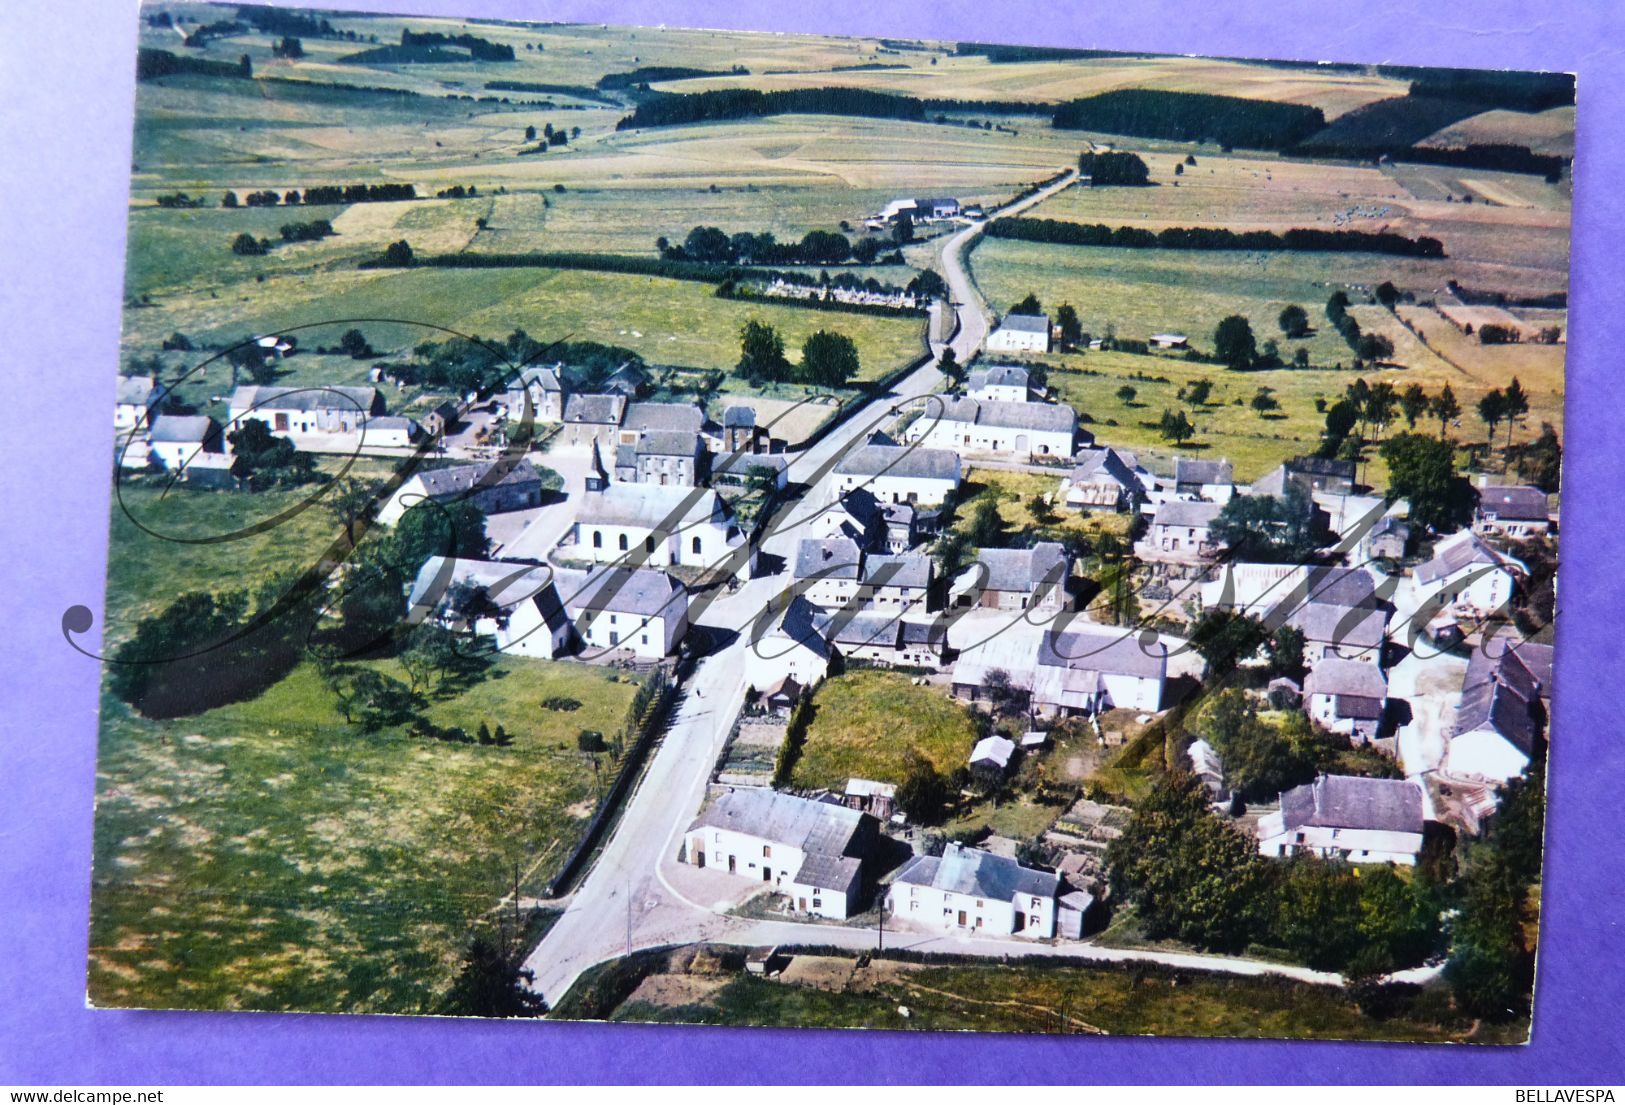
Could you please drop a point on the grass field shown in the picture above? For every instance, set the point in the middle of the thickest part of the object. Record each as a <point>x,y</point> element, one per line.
<point>1003,997</point>
<point>864,723</point>
<point>298,864</point>
<point>1014,493</point>
<point>1550,131</point>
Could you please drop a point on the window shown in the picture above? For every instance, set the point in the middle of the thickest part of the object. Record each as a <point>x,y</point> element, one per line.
<point>696,546</point>
<point>612,619</point>
<point>913,906</point>
<point>623,542</point>
<point>614,637</point>
<point>649,544</point>
<point>645,638</point>
<point>597,538</point>
<point>767,851</point>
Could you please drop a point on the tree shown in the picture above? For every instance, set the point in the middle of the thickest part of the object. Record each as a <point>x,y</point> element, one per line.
<point>398,254</point>
<point>1286,651</point>
<point>1373,347</point>
<point>1294,321</point>
<point>491,984</point>
<point>1269,527</point>
<point>1004,698</point>
<point>351,502</point>
<point>1197,392</point>
<point>1539,463</point>
<point>289,47</point>
<point>948,364</point>
<point>1039,507</point>
<point>1300,358</point>
<point>761,353</point>
<point>1263,402</point>
<point>986,527</point>
<point>1514,405</point>
<point>1127,393</point>
<point>1317,912</point>
<point>1380,403</point>
<point>455,529</point>
<point>1224,638</point>
<point>1189,875</point>
<point>902,228</point>
<point>922,795</point>
<point>828,359</point>
<point>229,200</point>
<point>1422,469</point>
<point>1066,317</point>
<point>246,245</point>
<point>1387,294</point>
<point>1028,306</point>
<point>1445,408</point>
<point>264,460</point>
<point>430,652</point>
<point>354,342</point>
<point>1176,428</point>
<point>1233,342</point>
<point>1492,409</point>
<point>1413,401</point>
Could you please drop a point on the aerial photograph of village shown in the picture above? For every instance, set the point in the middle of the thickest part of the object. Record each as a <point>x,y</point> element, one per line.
<point>703,527</point>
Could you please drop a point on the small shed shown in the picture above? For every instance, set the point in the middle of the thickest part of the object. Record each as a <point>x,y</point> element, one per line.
<point>993,754</point>
<point>871,797</point>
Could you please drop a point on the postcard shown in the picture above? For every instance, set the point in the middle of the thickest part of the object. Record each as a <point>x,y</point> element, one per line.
<point>690,526</point>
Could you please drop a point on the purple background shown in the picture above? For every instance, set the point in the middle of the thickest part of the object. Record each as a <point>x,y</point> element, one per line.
<point>66,73</point>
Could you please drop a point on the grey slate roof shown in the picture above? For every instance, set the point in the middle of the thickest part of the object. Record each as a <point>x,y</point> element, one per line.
<point>594,410</point>
<point>817,828</point>
<point>1322,466</point>
<point>867,631</point>
<point>1497,705</point>
<point>183,428</point>
<point>668,443</point>
<point>1105,650</point>
<point>739,416</point>
<point>1101,465</point>
<point>545,377</point>
<point>902,461</point>
<point>1513,504</point>
<point>1349,802</point>
<point>1503,654</point>
<point>1045,564</point>
<point>999,376</point>
<point>740,464</point>
<point>828,558</point>
<point>682,417</point>
<point>313,398</point>
<point>1462,550</point>
<point>506,583</point>
<point>138,390</point>
<point>621,590</point>
<point>1355,627</point>
<point>1003,414</point>
<point>906,570</point>
<point>1333,586</point>
<point>1184,512</point>
<point>1355,678</point>
<point>649,506</point>
<point>462,478</point>
<point>1026,324</point>
<point>979,874</point>
<point>1192,470</point>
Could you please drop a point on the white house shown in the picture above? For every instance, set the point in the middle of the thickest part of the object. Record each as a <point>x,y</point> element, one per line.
<point>1180,531</point>
<point>967,890</point>
<point>1349,818</point>
<point>517,604</point>
<point>899,473</point>
<point>1000,383</point>
<point>138,397</point>
<point>1020,334</point>
<point>492,486</point>
<point>1212,480</point>
<point>812,852</point>
<point>1514,512</point>
<point>390,432</point>
<point>1346,696</point>
<point>320,408</point>
<point>1467,573</point>
<point>176,439</point>
<point>1016,579</point>
<point>1020,429</point>
<point>1502,710</point>
<point>790,642</point>
<point>992,753</point>
<point>657,526</point>
<point>1083,669</point>
<point>895,583</point>
<point>644,612</point>
<point>827,571</point>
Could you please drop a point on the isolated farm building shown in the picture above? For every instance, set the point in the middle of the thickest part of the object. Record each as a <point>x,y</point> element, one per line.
<point>1181,532</point>
<point>1020,334</point>
<point>895,582</point>
<point>812,852</point>
<point>1346,696</point>
<point>659,526</point>
<point>899,474</point>
<point>538,394</point>
<point>1503,708</point>
<point>1000,383</point>
<point>1169,341</point>
<point>642,611</point>
<point>492,486</point>
<point>176,439</point>
<point>663,457</point>
<point>1212,480</point>
<point>992,754</point>
<point>1208,769</point>
<point>1016,579</point>
<point>790,643</point>
<point>1350,818</point>
<point>1103,479</point>
<point>1466,573</point>
<point>969,890</point>
<point>827,571</point>
<point>138,397</point>
<point>1020,430</point>
<point>868,796</point>
<point>325,408</point>
<point>390,432</point>
<point>1514,512</point>
<point>742,468</point>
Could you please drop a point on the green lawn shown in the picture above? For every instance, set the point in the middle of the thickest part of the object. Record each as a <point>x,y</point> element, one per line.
<point>266,856</point>
<point>865,721</point>
<point>1014,492</point>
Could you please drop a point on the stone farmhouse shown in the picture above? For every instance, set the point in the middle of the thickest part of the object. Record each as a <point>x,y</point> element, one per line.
<point>1349,818</point>
<point>969,426</point>
<point>1020,334</point>
<point>899,474</point>
<point>493,486</point>
<point>967,890</point>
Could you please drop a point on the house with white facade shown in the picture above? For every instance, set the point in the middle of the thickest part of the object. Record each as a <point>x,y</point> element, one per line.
<point>967,890</point>
<point>1016,579</point>
<point>790,642</point>
<point>175,440</point>
<point>1346,696</point>
<point>1083,669</point>
<point>899,473</point>
<point>318,409</point>
<point>1517,513</point>
<point>658,527</point>
<point>390,431</point>
<point>1210,480</point>
<point>139,397</point>
<point>1349,818</point>
<point>1505,698</point>
<point>516,604</point>
<point>987,426</point>
<point>616,607</point>
<point>1468,574</point>
<point>1000,383</point>
<point>827,570</point>
<point>1020,334</point>
<point>895,583</point>
<point>494,487</point>
<point>811,852</point>
<point>1181,533</point>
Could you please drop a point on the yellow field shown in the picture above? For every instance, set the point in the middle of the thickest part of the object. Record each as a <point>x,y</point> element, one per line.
<point>1539,368</point>
<point>1550,131</point>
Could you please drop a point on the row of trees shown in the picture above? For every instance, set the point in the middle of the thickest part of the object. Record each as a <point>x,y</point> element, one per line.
<point>828,359</point>
<point>1367,347</point>
<point>320,194</point>
<point>246,245</point>
<point>816,247</point>
<point>1297,239</point>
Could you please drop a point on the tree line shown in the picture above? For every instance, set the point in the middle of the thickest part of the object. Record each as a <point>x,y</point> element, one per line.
<point>1192,117</point>
<point>650,74</point>
<point>828,359</point>
<point>711,245</point>
<point>152,63</point>
<point>1066,232</point>
<point>481,49</point>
